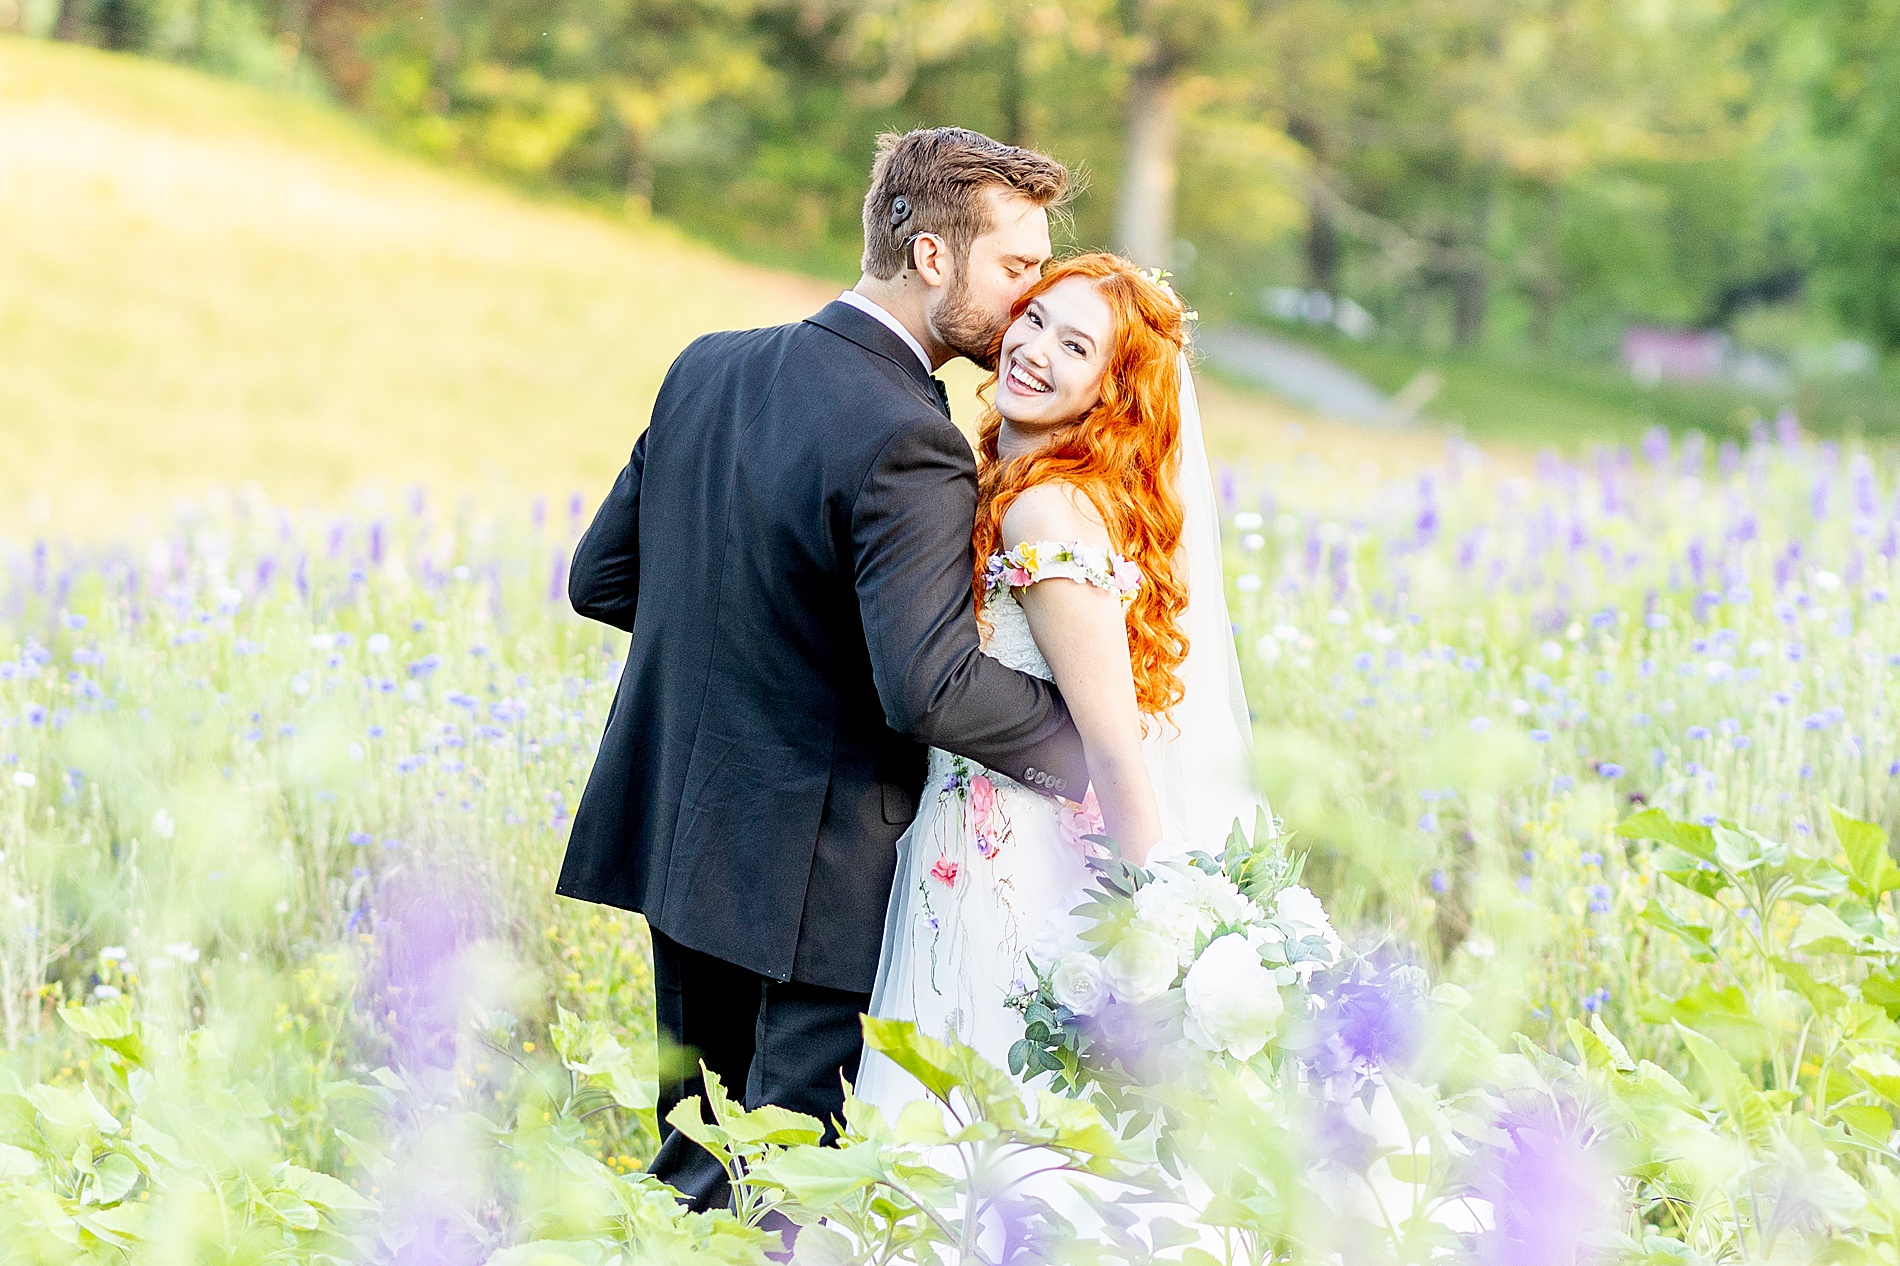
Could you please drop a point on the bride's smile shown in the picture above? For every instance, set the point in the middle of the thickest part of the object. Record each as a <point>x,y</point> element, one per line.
<point>1051,362</point>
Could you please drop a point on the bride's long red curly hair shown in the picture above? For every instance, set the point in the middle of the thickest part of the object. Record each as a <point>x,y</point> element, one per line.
<point>1123,455</point>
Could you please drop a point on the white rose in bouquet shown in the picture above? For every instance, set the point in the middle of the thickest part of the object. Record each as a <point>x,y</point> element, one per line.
<point>1302,915</point>
<point>1233,1003</point>
<point>1184,903</point>
<point>1078,983</point>
<point>1167,904</point>
<point>1222,898</point>
<point>1142,965</point>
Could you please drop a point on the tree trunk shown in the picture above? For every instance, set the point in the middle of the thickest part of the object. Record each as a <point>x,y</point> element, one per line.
<point>1144,214</point>
<point>1471,282</point>
<point>66,26</point>
<point>1470,293</point>
<point>1323,247</point>
<point>1323,242</point>
<point>1547,291</point>
<point>1011,92</point>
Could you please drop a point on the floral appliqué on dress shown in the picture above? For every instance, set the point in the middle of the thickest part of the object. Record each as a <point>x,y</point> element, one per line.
<point>1032,561</point>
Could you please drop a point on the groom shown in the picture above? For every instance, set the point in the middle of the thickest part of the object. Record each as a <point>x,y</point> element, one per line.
<point>790,549</point>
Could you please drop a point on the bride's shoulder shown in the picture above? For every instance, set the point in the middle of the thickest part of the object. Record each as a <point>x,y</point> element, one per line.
<point>1055,511</point>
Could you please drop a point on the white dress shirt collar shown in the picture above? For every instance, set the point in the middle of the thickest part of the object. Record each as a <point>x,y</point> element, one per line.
<point>871,309</point>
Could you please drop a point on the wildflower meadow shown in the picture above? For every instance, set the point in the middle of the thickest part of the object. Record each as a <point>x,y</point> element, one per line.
<point>1591,762</point>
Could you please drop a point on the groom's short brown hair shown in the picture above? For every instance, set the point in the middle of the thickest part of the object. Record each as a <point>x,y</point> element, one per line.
<point>942,173</point>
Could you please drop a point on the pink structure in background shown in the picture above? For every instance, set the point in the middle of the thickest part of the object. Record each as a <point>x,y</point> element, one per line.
<point>1651,354</point>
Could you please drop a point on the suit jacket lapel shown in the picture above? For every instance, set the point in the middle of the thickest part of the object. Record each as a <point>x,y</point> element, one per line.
<point>873,336</point>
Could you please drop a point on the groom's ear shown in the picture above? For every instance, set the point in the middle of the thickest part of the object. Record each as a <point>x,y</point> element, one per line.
<point>930,257</point>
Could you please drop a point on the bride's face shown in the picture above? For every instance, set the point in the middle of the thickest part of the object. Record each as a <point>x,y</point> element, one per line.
<point>1053,356</point>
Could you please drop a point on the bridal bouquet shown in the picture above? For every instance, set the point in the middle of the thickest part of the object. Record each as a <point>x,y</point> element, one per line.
<point>1158,969</point>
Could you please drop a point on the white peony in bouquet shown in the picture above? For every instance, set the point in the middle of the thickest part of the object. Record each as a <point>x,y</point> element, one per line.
<point>1157,970</point>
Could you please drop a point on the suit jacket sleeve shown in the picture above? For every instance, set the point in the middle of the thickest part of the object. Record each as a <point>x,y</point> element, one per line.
<point>910,538</point>
<point>604,582</point>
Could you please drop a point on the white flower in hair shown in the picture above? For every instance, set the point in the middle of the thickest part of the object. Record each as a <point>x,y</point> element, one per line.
<point>1159,277</point>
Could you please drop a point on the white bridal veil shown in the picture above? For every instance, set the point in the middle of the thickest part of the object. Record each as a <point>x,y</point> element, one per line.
<point>1201,758</point>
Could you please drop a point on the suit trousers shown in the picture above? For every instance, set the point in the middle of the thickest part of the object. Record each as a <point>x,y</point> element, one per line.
<point>768,1041</point>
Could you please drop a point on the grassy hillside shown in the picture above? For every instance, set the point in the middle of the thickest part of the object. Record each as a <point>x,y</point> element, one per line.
<point>204,285</point>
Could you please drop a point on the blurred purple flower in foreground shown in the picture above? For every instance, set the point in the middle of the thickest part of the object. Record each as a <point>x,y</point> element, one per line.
<point>1550,1184</point>
<point>418,987</point>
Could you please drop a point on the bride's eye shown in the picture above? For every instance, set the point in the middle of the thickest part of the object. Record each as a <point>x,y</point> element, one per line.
<point>1034,319</point>
<point>1075,347</point>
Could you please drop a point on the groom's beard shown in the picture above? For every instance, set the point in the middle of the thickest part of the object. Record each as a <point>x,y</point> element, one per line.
<point>965,328</point>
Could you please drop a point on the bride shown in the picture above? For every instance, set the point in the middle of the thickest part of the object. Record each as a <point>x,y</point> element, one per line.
<point>1098,567</point>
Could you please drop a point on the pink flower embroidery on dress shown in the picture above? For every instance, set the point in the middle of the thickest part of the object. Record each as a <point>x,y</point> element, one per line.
<point>982,802</point>
<point>1127,575</point>
<point>1080,820</point>
<point>983,815</point>
<point>944,872</point>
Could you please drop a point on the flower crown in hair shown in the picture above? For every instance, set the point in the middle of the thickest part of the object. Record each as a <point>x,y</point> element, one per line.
<point>1159,277</point>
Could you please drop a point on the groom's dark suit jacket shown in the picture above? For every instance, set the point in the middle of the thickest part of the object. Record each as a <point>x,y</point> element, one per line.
<point>790,549</point>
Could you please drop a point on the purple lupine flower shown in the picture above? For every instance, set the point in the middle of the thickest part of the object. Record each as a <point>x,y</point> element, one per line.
<point>1656,446</point>
<point>1787,428</point>
<point>1551,1185</point>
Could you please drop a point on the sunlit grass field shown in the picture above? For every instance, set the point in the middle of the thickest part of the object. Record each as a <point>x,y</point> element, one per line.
<point>205,285</point>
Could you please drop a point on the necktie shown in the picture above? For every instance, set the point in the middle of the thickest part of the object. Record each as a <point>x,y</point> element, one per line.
<point>943,394</point>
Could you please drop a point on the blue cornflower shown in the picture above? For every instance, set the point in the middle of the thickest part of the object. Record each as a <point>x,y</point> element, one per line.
<point>1440,884</point>
<point>361,838</point>
<point>1540,736</point>
<point>1609,769</point>
<point>1591,858</point>
<point>1698,732</point>
<point>1428,822</point>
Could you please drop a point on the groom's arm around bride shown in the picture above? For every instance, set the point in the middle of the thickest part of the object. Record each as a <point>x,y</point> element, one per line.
<point>789,548</point>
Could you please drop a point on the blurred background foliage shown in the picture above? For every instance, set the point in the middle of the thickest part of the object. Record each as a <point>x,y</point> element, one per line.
<point>1502,173</point>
